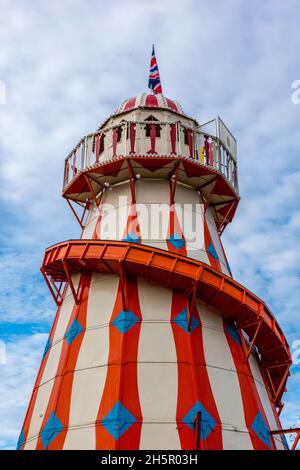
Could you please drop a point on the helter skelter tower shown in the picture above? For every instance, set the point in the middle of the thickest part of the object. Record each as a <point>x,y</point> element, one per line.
<point>154,345</point>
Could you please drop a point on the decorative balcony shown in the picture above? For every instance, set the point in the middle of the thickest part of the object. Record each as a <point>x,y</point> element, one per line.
<point>210,145</point>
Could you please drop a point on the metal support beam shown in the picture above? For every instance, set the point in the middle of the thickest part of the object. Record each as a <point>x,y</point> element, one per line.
<point>282,382</point>
<point>74,212</point>
<point>55,297</point>
<point>248,350</point>
<point>223,224</point>
<point>75,294</point>
<point>132,181</point>
<point>173,181</point>
<point>278,390</point>
<point>87,179</point>
<point>289,431</point>
<point>86,208</point>
<point>280,408</point>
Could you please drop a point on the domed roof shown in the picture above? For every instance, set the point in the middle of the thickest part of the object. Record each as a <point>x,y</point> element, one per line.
<point>150,101</point>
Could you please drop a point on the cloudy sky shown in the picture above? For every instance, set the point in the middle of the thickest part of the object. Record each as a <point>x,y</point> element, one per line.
<point>66,65</point>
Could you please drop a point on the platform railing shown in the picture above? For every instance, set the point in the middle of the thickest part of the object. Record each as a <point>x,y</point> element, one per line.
<point>134,138</point>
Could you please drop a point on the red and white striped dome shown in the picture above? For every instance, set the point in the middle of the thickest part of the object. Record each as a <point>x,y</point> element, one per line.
<point>150,101</point>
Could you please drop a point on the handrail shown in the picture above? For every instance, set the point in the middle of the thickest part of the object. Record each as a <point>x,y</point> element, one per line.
<point>167,138</point>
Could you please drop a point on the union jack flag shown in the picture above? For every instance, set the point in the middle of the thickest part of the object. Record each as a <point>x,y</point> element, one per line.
<point>154,78</point>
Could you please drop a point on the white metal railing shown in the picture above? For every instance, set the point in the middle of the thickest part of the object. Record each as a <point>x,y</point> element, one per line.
<point>133,138</point>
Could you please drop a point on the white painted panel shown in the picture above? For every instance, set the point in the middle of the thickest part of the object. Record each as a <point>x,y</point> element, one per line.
<point>81,439</point>
<point>152,191</point>
<point>154,336</point>
<point>236,440</point>
<point>153,198</point>
<point>118,195</point>
<point>223,378</point>
<point>158,398</point>
<point>87,392</point>
<point>65,311</point>
<point>159,436</point>
<point>157,381</point>
<point>185,195</point>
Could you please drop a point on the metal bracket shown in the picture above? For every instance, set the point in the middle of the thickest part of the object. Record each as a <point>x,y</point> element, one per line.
<point>87,179</point>
<point>248,350</point>
<point>68,276</point>
<point>123,286</point>
<point>79,220</point>
<point>289,431</point>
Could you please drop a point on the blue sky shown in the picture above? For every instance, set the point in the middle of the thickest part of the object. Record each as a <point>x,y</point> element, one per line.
<point>66,66</point>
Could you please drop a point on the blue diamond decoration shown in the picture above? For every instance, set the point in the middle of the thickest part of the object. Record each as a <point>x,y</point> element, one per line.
<point>125,320</point>
<point>118,420</point>
<point>233,332</point>
<point>176,240</point>
<point>21,440</point>
<point>212,251</point>
<point>47,347</point>
<point>52,428</point>
<point>261,429</point>
<point>207,421</point>
<point>74,330</point>
<point>182,321</point>
<point>132,238</point>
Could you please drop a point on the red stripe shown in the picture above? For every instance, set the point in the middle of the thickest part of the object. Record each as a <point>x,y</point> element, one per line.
<point>121,380</point>
<point>151,101</point>
<point>193,380</point>
<point>61,392</point>
<point>130,104</point>
<point>172,105</point>
<point>251,400</point>
<point>32,402</point>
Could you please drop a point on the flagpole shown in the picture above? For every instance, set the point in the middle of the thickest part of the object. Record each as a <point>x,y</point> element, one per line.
<point>152,91</point>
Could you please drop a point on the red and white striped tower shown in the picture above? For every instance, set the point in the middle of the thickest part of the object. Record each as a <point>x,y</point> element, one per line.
<point>154,345</point>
